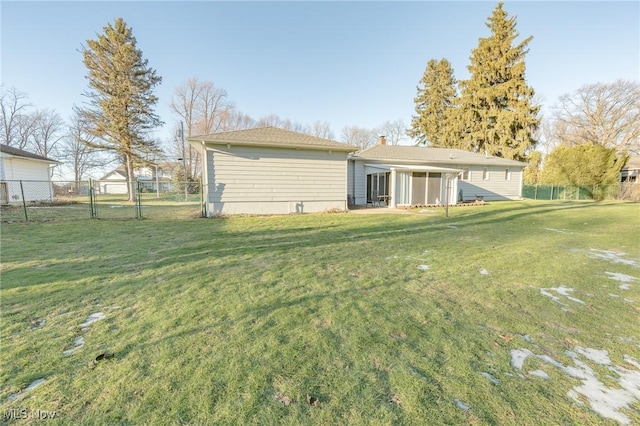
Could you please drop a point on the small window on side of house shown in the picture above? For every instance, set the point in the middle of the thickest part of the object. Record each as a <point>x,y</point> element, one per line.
<point>465,174</point>
<point>507,174</point>
<point>485,174</point>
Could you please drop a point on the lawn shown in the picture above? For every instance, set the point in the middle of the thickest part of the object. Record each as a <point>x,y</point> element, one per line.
<point>522,313</point>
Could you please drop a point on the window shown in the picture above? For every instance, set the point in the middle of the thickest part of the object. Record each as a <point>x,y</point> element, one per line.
<point>507,174</point>
<point>485,174</point>
<point>465,174</point>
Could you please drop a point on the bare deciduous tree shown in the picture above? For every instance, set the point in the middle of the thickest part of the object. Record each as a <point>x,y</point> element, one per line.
<point>358,136</point>
<point>15,122</point>
<point>394,131</point>
<point>48,131</point>
<point>320,129</point>
<point>607,114</point>
<point>203,108</point>
<point>76,149</point>
<point>236,120</point>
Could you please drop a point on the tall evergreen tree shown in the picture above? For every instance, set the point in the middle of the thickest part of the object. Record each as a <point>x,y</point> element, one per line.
<point>497,109</point>
<point>119,111</point>
<point>433,123</point>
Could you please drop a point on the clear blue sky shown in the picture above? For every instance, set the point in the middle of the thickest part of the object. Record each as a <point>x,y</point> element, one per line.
<point>347,63</point>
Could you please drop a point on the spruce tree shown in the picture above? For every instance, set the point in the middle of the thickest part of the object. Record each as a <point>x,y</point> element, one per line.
<point>496,110</point>
<point>119,111</point>
<point>437,94</point>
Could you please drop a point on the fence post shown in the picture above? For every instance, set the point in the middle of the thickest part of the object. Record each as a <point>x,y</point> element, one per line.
<point>203,206</point>
<point>93,208</point>
<point>24,203</point>
<point>535,193</point>
<point>138,201</point>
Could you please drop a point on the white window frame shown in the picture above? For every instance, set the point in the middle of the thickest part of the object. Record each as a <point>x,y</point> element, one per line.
<point>466,174</point>
<point>485,173</point>
<point>507,174</point>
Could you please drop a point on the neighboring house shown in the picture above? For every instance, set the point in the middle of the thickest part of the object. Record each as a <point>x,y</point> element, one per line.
<point>272,171</point>
<point>630,173</point>
<point>22,172</point>
<point>412,175</point>
<point>152,178</point>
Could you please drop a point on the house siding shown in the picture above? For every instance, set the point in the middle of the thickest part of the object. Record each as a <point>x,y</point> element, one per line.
<point>263,180</point>
<point>36,182</point>
<point>496,187</point>
<point>357,182</point>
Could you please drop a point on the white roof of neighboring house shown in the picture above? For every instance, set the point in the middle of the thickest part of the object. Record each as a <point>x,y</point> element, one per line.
<point>15,152</point>
<point>633,163</point>
<point>419,154</point>
<point>272,137</point>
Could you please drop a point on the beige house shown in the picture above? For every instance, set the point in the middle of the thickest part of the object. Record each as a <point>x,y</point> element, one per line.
<point>412,176</point>
<point>630,173</point>
<point>272,171</point>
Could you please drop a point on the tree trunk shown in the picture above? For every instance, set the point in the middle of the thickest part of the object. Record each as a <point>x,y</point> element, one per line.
<point>130,179</point>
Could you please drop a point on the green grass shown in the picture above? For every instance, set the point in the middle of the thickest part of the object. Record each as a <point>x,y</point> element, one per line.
<point>238,320</point>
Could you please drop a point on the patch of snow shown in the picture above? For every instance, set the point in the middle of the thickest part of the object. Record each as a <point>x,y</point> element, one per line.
<point>561,231</point>
<point>461,405</point>
<point>78,342</point>
<point>623,279</point>
<point>491,378</point>
<point>613,295</point>
<point>452,227</point>
<point>599,356</point>
<point>391,257</point>
<point>613,257</point>
<point>606,401</point>
<point>32,386</point>
<point>631,361</point>
<point>526,338</point>
<point>563,291</point>
<point>423,267</point>
<point>92,318</point>
<point>483,271</point>
<point>539,373</point>
<point>518,356</point>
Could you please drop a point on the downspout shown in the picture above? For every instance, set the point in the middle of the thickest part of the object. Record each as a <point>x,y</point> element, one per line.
<point>353,180</point>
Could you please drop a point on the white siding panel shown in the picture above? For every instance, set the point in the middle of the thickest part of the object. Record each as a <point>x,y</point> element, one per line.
<point>263,180</point>
<point>36,182</point>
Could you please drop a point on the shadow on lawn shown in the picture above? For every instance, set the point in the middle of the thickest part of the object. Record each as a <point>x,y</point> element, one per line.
<point>222,243</point>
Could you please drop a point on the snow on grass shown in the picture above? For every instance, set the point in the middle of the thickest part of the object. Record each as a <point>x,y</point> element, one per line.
<point>613,257</point>
<point>561,231</point>
<point>92,318</point>
<point>423,267</point>
<point>78,343</point>
<point>606,401</point>
<point>461,405</point>
<point>563,291</point>
<point>622,278</point>
<point>32,386</point>
<point>491,378</point>
<point>539,373</point>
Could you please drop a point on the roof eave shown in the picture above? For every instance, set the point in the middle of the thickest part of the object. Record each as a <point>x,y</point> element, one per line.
<point>275,145</point>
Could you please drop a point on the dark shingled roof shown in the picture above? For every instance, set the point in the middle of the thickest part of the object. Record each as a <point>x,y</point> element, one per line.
<point>272,137</point>
<point>22,153</point>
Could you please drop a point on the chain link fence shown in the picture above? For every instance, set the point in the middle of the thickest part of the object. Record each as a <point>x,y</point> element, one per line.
<point>28,200</point>
<point>623,191</point>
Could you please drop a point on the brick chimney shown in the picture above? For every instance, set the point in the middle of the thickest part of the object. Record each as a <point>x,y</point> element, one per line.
<point>382,140</point>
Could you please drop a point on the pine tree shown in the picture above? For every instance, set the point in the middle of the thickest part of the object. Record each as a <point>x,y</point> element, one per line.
<point>120,103</point>
<point>437,94</point>
<point>497,109</point>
